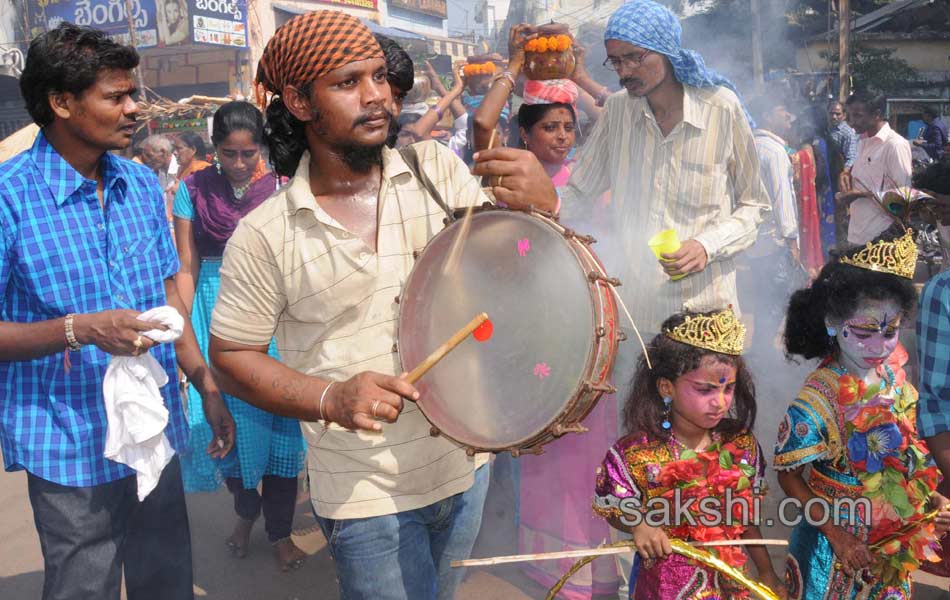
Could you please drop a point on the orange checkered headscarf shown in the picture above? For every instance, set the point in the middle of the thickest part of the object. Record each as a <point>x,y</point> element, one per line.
<point>310,46</point>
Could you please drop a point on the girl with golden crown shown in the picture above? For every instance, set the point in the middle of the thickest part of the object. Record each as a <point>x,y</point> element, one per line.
<point>690,420</point>
<point>848,448</point>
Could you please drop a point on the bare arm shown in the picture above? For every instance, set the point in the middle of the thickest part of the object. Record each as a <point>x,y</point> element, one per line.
<point>585,82</point>
<point>250,374</point>
<point>488,113</point>
<point>589,106</point>
<point>113,331</point>
<point>193,365</point>
<point>455,105</point>
<point>852,553</point>
<point>422,128</point>
<point>763,563</point>
<point>187,277</point>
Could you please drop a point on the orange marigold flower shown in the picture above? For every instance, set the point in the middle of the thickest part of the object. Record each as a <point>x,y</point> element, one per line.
<point>851,390</point>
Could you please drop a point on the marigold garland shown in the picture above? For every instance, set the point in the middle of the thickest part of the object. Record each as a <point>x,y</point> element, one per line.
<point>554,43</point>
<point>479,69</point>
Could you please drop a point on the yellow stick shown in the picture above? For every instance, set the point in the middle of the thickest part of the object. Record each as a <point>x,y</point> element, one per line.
<point>500,560</point>
<point>445,348</point>
<point>491,138</point>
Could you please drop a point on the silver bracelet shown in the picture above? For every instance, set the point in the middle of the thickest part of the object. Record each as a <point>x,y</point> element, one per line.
<point>323,397</point>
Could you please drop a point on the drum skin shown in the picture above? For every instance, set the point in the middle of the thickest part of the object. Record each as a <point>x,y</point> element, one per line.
<point>555,330</point>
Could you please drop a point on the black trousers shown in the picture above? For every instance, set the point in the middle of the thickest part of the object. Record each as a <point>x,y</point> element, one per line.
<point>277,501</point>
<point>89,534</point>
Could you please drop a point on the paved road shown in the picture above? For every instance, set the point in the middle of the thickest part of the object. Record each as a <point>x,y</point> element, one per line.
<point>219,577</point>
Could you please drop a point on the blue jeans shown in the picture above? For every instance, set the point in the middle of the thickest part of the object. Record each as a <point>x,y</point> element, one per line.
<point>407,555</point>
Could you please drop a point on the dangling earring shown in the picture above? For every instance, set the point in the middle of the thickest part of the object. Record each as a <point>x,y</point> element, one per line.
<point>667,401</point>
<point>217,163</point>
<point>832,332</point>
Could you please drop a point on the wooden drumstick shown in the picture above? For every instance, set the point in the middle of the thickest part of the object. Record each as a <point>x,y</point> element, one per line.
<point>445,348</point>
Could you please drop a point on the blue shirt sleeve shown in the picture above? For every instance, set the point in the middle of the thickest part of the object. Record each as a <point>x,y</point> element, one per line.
<point>849,147</point>
<point>183,208</point>
<point>167,254</point>
<point>5,262</point>
<point>933,349</point>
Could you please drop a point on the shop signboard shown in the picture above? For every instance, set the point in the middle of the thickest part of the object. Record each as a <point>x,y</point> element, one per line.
<point>436,8</point>
<point>115,17</point>
<point>219,22</point>
<point>369,4</point>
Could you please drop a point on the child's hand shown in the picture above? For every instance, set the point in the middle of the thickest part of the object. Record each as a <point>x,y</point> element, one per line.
<point>851,552</point>
<point>942,522</point>
<point>651,542</point>
<point>775,584</point>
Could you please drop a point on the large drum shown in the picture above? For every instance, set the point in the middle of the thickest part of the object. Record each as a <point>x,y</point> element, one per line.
<point>555,330</point>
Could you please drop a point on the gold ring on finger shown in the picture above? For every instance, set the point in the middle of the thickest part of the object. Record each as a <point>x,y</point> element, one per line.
<point>138,342</point>
<point>375,406</point>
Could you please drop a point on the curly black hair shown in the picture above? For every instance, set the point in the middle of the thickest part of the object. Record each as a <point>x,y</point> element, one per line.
<point>285,135</point>
<point>237,116</point>
<point>68,58</point>
<point>400,70</point>
<point>836,293</point>
<point>643,410</point>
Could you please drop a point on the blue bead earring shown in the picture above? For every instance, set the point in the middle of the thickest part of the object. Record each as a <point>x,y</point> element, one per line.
<point>667,401</point>
<point>832,332</point>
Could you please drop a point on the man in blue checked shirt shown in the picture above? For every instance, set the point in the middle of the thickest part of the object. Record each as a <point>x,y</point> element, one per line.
<point>83,251</point>
<point>933,350</point>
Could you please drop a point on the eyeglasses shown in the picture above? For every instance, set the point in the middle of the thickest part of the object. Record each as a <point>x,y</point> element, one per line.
<point>631,61</point>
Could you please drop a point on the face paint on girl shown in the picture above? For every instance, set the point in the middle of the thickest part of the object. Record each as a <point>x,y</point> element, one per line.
<point>703,396</point>
<point>869,336</point>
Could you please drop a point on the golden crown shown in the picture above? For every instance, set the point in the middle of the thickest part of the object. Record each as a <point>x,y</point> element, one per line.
<point>720,332</point>
<point>897,257</point>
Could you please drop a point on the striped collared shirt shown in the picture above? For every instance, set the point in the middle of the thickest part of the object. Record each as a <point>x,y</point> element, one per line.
<point>292,271</point>
<point>61,253</point>
<point>778,178</point>
<point>701,180</point>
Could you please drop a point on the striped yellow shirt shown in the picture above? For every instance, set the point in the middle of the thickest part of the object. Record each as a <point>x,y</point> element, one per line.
<point>701,180</point>
<point>290,270</point>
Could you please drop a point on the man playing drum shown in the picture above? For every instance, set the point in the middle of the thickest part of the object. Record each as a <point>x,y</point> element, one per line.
<point>676,152</point>
<point>319,265</point>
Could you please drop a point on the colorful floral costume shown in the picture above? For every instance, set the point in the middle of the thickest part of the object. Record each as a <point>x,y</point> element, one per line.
<point>641,468</point>
<point>860,443</point>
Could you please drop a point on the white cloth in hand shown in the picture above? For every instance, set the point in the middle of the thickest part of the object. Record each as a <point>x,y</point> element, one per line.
<point>135,412</point>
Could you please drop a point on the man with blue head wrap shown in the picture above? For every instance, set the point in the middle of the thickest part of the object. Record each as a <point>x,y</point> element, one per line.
<point>676,152</point>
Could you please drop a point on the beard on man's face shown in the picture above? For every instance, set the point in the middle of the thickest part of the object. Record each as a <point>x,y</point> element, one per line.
<point>358,157</point>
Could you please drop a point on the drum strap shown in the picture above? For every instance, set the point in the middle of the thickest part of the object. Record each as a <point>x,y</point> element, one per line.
<point>411,157</point>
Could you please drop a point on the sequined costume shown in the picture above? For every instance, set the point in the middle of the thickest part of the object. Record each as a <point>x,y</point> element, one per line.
<point>638,468</point>
<point>819,430</point>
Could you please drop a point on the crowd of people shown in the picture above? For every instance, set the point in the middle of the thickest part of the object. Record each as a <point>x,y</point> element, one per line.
<point>284,241</point>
